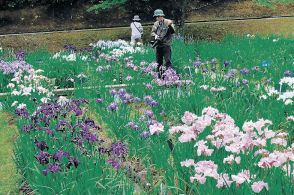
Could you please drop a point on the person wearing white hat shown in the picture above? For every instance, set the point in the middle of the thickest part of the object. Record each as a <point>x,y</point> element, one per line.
<point>137,31</point>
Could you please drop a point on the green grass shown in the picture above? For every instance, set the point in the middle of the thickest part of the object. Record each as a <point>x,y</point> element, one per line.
<point>9,182</point>
<point>271,3</point>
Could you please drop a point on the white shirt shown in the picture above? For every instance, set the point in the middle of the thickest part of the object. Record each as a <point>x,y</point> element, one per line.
<point>136,34</point>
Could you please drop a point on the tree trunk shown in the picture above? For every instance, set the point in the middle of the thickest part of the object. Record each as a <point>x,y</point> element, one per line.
<point>179,14</point>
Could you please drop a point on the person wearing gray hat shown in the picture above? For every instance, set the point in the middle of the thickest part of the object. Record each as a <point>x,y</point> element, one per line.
<point>137,31</point>
<point>162,31</point>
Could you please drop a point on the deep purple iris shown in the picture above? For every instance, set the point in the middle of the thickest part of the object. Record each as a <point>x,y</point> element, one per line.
<point>27,128</point>
<point>43,157</point>
<point>73,162</point>
<point>288,73</point>
<point>53,168</point>
<point>58,155</point>
<point>42,145</point>
<point>227,63</point>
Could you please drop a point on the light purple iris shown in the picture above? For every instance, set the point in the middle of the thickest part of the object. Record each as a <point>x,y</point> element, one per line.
<point>148,86</point>
<point>231,73</point>
<point>99,100</point>
<point>113,106</point>
<point>148,113</point>
<point>244,82</point>
<point>197,63</point>
<point>133,125</point>
<point>145,134</point>
<point>113,92</point>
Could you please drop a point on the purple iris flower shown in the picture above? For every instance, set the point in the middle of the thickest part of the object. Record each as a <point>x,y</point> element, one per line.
<point>121,92</point>
<point>113,92</point>
<point>114,163</point>
<point>151,122</point>
<point>102,150</point>
<point>133,125</point>
<point>42,145</point>
<point>197,63</point>
<point>53,168</point>
<point>13,67</point>
<point>288,73</point>
<point>148,86</point>
<point>73,162</point>
<point>113,106</point>
<point>153,103</point>
<point>58,155</point>
<point>244,82</point>
<point>227,63</point>
<point>20,54</point>
<point>99,100</point>
<point>50,132</point>
<point>148,113</point>
<point>22,112</point>
<point>78,112</point>
<point>90,123</point>
<point>145,134</point>
<point>27,128</point>
<point>244,71</point>
<point>147,99</point>
<point>43,157</point>
<point>90,137</point>
<point>62,124</point>
<point>118,149</point>
<point>231,73</point>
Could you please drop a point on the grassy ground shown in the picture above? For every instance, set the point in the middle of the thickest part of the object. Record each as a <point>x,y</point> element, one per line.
<point>240,9</point>
<point>9,179</point>
<point>217,30</point>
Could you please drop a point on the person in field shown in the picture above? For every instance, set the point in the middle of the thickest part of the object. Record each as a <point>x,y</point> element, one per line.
<point>137,31</point>
<point>162,32</point>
